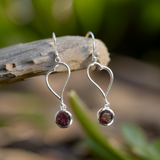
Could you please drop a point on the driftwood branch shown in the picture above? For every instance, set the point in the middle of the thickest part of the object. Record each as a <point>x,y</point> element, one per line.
<point>36,58</point>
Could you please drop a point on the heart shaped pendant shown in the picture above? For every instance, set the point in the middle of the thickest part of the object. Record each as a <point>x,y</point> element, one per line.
<point>105,115</point>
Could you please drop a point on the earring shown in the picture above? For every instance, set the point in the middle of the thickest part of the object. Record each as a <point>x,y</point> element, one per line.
<point>105,115</point>
<point>63,118</point>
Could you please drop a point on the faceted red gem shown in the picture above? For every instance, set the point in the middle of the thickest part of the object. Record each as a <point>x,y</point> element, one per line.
<point>105,117</point>
<point>63,119</point>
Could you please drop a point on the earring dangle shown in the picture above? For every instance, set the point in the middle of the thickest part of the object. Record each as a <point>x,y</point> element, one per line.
<point>105,115</point>
<point>63,118</point>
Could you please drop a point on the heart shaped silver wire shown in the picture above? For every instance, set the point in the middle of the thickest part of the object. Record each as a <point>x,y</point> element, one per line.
<point>51,71</point>
<point>94,59</point>
<point>58,60</point>
<point>111,79</point>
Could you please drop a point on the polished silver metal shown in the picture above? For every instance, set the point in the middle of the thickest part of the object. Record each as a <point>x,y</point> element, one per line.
<point>111,79</point>
<point>94,62</point>
<point>52,70</point>
<point>55,44</point>
<point>94,54</point>
<point>59,62</point>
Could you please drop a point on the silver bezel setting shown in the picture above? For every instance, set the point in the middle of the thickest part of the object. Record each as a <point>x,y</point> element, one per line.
<point>71,118</point>
<point>101,110</point>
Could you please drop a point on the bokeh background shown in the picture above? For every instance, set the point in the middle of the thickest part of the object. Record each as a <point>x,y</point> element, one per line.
<point>131,31</point>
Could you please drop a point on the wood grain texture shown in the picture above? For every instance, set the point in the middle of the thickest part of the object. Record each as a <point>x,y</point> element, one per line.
<point>27,60</point>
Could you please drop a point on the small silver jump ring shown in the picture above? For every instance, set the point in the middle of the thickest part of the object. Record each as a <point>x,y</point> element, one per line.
<point>94,59</point>
<point>57,59</point>
<point>63,106</point>
<point>107,104</point>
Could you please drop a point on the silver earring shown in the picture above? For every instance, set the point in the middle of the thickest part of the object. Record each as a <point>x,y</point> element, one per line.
<point>105,115</point>
<point>63,118</point>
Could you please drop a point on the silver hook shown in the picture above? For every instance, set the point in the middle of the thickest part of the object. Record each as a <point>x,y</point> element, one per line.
<point>54,39</point>
<point>58,60</point>
<point>94,54</point>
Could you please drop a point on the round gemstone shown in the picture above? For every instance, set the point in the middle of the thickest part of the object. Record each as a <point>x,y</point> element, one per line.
<point>106,117</point>
<point>63,119</point>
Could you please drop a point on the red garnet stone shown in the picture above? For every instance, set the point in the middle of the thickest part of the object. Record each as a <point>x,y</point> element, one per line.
<point>63,119</point>
<point>106,117</point>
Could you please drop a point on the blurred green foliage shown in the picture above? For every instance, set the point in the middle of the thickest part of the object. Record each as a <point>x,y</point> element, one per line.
<point>96,140</point>
<point>138,144</point>
<point>129,27</point>
<point>27,107</point>
<point>137,147</point>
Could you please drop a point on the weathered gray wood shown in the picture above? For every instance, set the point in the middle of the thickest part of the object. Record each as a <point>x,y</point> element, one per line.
<point>36,58</point>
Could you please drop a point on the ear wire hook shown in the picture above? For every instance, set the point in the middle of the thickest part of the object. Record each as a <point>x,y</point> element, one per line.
<point>94,54</point>
<point>57,59</point>
<point>54,40</point>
